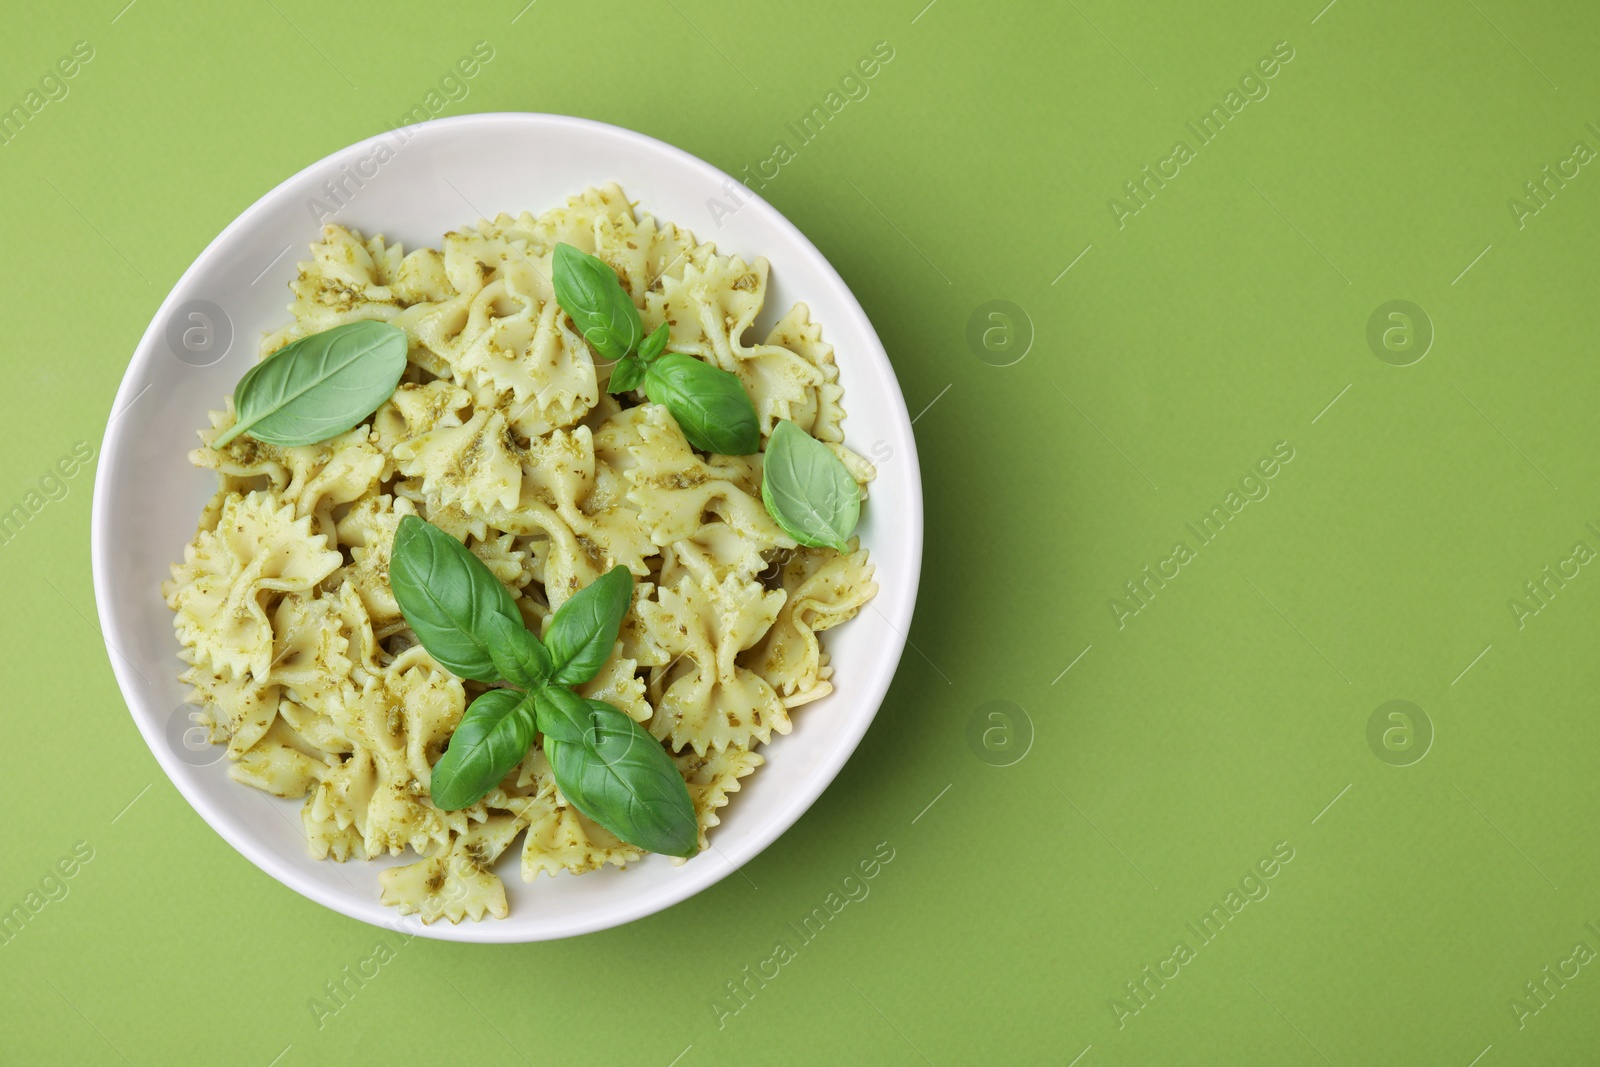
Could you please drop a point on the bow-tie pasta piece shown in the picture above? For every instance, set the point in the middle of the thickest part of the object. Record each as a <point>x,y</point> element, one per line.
<point>469,262</point>
<point>345,280</point>
<point>614,437</point>
<point>709,307</point>
<point>505,560</point>
<point>824,589</point>
<point>221,591</point>
<point>856,465</point>
<point>558,471</point>
<point>456,883</point>
<point>475,466</point>
<point>278,764</point>
<point>316,478</point>
<point>474,257</point>
<point>646,253</point>
<point>450,518</point>
<point>414,410</point>
<point>326,839</point>
<point>314,732</point>
<point>434,330</point>
<point>617,684</point>
<point>237,711</point>
<point>397,725</point>
<point>522,351</point>
<point>520,227</point>
<point>675,490</point>
<point>245,464</point>
<point>611,521</point>
<point>367,532</point>
<point>711,778</point>
<point>348,468</point>
<point>716,551</point>
<point>582,507</point>
<point>421,279</point>
<point>634,636</point>
<point>574,222</point>
<point>780,383</point>
<point>366,655</point>
<point>309,650</point>
<point>703,698</point>
<point>672,251</point>
<point>820,414</point>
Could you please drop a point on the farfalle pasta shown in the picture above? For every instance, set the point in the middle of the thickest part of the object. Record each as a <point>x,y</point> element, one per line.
<point>501,433</point>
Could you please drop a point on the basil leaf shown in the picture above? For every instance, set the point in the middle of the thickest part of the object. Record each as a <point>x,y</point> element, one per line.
<point>807,489</point>
<point>562,715</point>
<point>319,386</point>
<point>494,735</point>
<point>626,375</point>
<point>619,776</point>
<point>518,655</point>
<point>448,597</point>
<point>652,346</point>
<point>710,404</point>
<point>588,291</point>
<point>584,630</point>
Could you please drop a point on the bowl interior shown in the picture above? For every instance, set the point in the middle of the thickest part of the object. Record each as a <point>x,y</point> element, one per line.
<point>414,185</point>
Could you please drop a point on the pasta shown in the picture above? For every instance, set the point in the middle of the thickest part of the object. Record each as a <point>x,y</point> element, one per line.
<point>501,433</point>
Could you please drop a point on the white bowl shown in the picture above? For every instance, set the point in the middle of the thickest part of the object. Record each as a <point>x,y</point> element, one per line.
<point>439,176</point>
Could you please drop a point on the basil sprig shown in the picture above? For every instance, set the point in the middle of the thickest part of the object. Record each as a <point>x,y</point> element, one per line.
<point>606,764</point>
<point>807,489</point>
<point>710,404</point>
<point>318,386</point>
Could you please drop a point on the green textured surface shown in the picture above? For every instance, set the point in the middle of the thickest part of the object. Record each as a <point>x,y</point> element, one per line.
<point>1228,715</point>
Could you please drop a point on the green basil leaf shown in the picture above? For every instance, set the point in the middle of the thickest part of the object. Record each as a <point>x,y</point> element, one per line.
<point>319,386</point>
<point>710,404</point>
<point>588,291</point>
<point>626,375</point>
<point>562,715</point>
<point>584,630</point>
<point>652,346</point>
<point>494,735</point>
<point>448,596</point>
<point>807,489</point>
<point>621,777</point>
<point>519,656</point>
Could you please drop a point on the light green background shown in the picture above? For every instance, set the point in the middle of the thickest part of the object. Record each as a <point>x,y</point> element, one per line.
<point>1177,351</point>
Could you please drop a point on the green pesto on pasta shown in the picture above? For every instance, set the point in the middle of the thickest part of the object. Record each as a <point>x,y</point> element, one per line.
<point>502,434</point>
